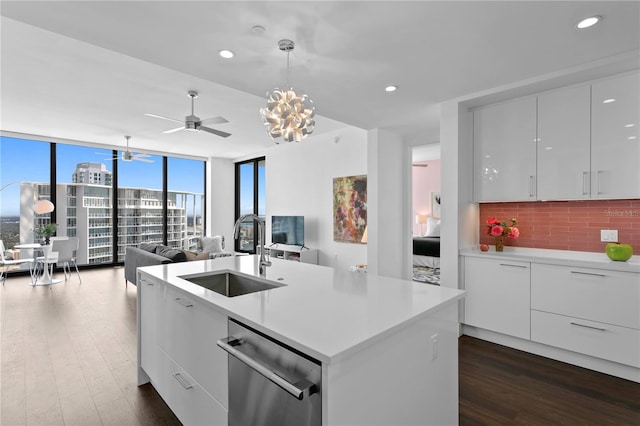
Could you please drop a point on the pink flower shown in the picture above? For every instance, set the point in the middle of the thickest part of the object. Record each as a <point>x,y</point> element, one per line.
<point>492,221</point>
<point>497,231</point>
<point>513,232</point>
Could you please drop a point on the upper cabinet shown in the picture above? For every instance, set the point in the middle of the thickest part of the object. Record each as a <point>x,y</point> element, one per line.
<point>505,151</point>
<point>563,144</point>
<point>577,142</point>
<point>615,146</point>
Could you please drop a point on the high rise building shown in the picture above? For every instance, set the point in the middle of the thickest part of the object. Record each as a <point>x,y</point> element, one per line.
<point>84,209</point>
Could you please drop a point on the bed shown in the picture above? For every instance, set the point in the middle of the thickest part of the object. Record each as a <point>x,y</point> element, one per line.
<point>426,251</point>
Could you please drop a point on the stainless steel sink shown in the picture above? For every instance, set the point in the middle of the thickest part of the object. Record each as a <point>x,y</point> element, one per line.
<point>229,284</point>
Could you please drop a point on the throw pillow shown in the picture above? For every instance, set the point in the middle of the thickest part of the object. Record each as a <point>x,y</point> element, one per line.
<point>151,248</point>
<point>433,227</point>
<point>173,254</point>
<point>212,244</point>
<point>192,255</point>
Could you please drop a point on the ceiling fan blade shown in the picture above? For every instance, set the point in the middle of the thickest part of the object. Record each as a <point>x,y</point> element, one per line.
<point>215,132</point>
<point>164,118</point>
<point>173,130</point>
<point>140,154</point>
<point>144,160</point>
<point>214,120</point>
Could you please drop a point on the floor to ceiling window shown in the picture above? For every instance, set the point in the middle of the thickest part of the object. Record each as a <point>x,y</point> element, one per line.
<point>250,199</point>
<point>185,192</point>
<point>107,201</point>
<point>25,173</point>
<point>85,187</point>
<point>139,202</point>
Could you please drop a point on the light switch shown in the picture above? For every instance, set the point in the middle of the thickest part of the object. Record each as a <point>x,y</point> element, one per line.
<point>609,235</point>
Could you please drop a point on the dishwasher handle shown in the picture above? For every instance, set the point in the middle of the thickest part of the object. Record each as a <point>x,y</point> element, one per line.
<point>300,390</point>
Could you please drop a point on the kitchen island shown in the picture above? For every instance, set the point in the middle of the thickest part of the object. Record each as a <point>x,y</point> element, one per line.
<point>388,348</point>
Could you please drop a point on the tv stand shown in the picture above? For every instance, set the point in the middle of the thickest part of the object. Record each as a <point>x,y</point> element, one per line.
<point>296,253</point>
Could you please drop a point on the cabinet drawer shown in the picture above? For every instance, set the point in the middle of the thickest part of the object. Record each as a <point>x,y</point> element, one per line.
<point>599,295</point>
<point>190,330</point>
<point>606,341</point>
<point>186,397</point>
<point>498,296</point>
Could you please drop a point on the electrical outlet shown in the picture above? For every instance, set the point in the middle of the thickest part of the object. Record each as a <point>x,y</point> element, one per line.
<point>609,235</point>
<point>434,347</point>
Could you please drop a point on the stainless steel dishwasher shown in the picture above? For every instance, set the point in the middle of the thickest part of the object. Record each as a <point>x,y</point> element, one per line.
<point>269,382</point>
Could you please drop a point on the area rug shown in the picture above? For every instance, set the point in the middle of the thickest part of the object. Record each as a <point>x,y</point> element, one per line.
<point>426,275</point>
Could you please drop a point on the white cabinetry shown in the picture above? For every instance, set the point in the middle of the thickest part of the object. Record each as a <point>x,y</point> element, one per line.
<point>615,145</point>
<point>576,142</point>
<point>148,291</point>
<point>295,253</point>
<point>505,151</point>
<point>497,296</point>
<point>563,144</point>
<point>177,344</point>
<point>590,311</point>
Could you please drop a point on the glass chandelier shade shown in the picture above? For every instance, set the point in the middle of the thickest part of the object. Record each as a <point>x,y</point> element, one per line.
<point>288,115</point>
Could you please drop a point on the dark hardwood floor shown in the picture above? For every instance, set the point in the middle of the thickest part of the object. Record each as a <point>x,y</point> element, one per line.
<point>68,357</point>
<point>504,386</point>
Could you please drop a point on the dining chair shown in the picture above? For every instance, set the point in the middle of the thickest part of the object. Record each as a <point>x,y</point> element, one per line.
<point>8,264</point>
<point>67,250</point>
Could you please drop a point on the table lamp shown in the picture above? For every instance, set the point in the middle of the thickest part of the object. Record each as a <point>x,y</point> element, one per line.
<point>421,219</point>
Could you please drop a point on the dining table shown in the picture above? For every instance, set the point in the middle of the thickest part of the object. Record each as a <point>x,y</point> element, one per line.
<point>46,278</point>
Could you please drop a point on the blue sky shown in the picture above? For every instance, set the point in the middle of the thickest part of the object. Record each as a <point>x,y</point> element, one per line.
<point>27,160</point>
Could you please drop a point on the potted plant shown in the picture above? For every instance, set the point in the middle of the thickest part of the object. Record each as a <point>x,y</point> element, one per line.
<point>47,231</point>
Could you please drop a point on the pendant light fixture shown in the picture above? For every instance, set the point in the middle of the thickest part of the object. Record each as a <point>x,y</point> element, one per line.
<point>288,115</point>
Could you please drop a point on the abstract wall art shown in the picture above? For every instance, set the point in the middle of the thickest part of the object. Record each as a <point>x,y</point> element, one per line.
<point>349,208</point>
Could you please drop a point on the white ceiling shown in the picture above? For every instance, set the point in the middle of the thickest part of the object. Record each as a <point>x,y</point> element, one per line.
<point>89,70</point>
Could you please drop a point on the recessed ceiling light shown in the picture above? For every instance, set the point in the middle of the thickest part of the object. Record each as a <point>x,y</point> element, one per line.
<point>608,101</point>
<point>258,29</point>
<point>391,88</point>
<point>589,22</point>
<point>226,54</point>
<point>632,138</point>
<point>629,125</point>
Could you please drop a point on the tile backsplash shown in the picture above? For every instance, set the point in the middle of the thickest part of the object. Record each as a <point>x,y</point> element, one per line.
<point>566,225</point>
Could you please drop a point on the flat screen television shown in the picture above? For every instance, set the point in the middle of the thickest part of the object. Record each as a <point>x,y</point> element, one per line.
<point>287,230</point>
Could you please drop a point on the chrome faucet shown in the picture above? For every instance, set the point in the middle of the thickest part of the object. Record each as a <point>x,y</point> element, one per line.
<point>261,235</point>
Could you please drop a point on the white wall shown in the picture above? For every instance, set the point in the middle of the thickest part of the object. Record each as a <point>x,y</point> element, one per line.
<point>389,166</point>
<point>221,196</point>
<point>299,181</point>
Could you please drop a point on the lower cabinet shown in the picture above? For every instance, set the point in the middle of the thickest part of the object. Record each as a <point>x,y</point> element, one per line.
<point>186,397</point>
<point>188,370</point>
<point>584,311</point>
<point>188,332</point>
<point>498,296</point>
<point>601,340</point>
<point>591,311</point>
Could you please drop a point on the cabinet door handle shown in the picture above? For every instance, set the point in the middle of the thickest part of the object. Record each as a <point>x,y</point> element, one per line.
<point>513,266</point>
<point>598,173</point>
<point>184,382</point>
<point>531,186</point>
<point>184,302</point>
<point>147,282</point>
<point>585,183</point>
<point>588,326</point>
<point>588,273</point>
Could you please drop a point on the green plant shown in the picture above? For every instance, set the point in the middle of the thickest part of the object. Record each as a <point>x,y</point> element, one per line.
<point>48,230</point>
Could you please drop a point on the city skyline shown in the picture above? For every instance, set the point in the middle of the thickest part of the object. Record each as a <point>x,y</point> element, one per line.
<point>34,167</point>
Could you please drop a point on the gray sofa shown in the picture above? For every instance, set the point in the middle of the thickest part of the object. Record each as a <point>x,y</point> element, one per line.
<point>157,254</point>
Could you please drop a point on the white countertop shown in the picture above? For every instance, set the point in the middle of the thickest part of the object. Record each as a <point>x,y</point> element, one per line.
<point>325,312</point>
<point>581,259</point>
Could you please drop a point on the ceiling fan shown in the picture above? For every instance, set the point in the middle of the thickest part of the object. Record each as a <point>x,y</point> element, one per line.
<point>130,156</point>
<point>193,123</point>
